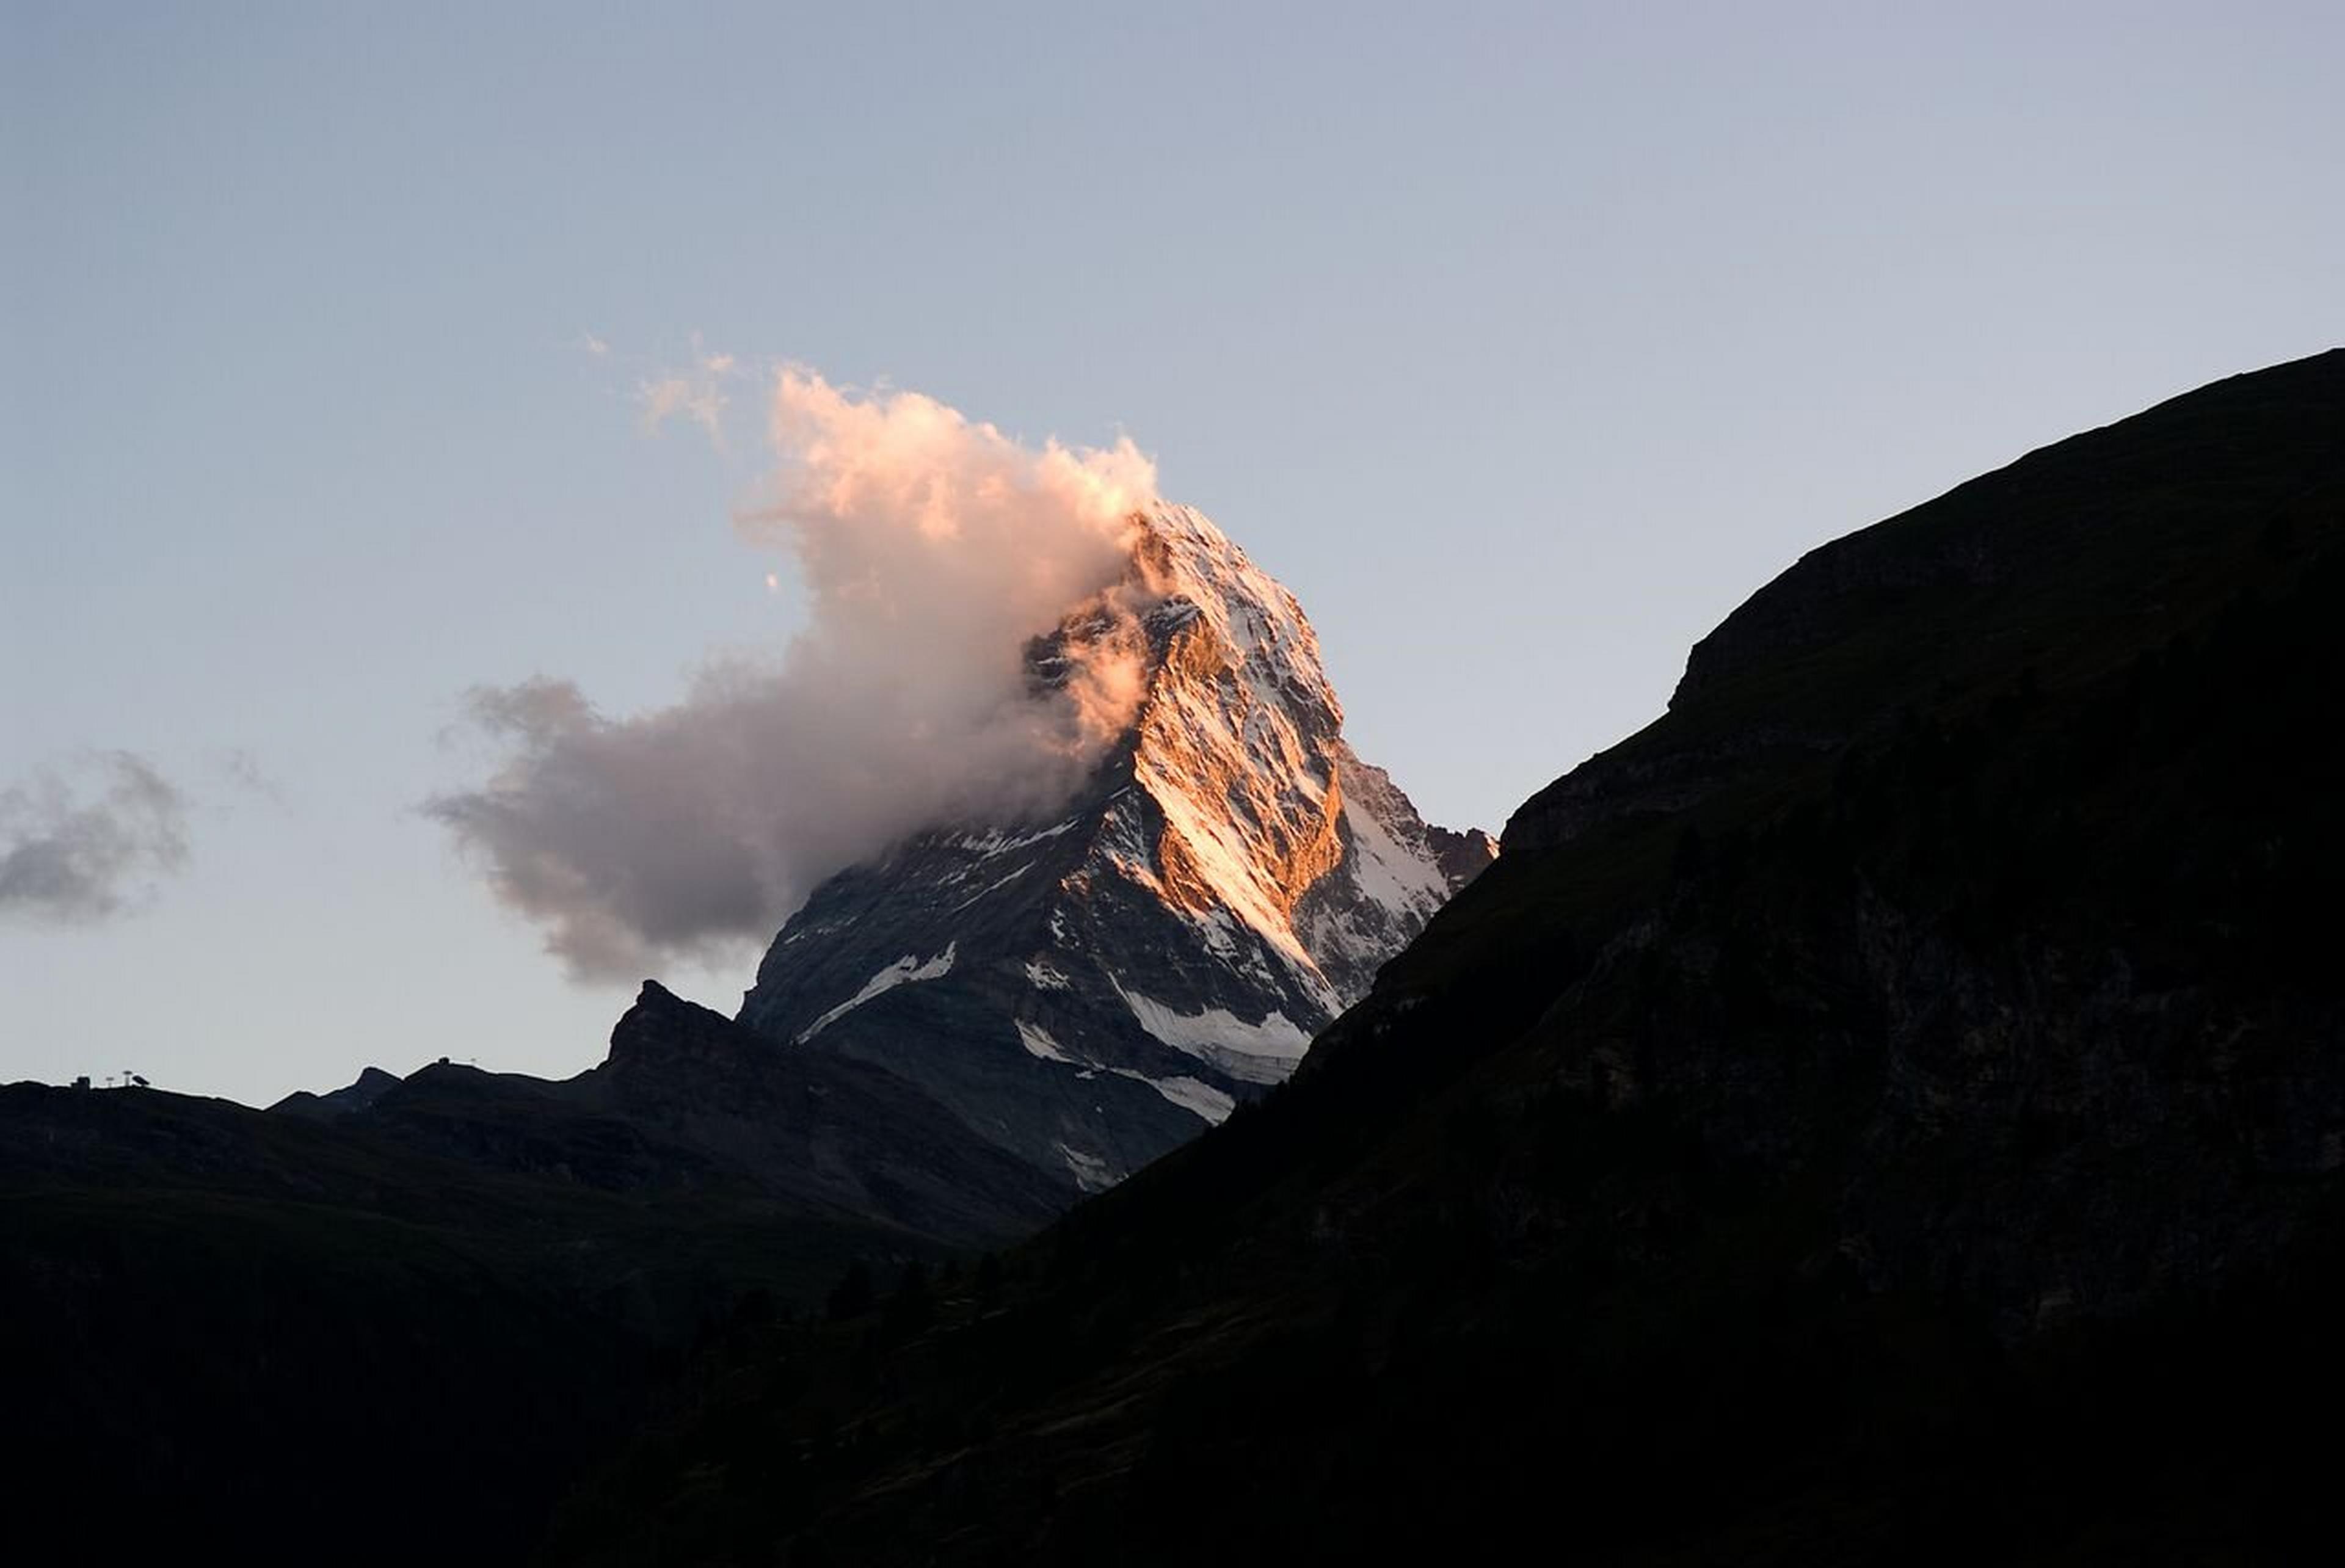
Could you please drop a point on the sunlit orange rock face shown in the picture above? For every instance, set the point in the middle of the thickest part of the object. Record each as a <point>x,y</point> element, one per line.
<point>1094,982</point>
<point>1232,800</point>
<point>1202,748</point>
<point>1238,739</point>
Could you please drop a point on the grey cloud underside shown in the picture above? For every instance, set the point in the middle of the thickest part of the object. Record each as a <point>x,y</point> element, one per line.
<point>89,844</point>
<point>685,832</point>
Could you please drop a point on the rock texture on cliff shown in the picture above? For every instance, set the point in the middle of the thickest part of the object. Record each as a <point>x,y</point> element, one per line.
<point>1092,990</point>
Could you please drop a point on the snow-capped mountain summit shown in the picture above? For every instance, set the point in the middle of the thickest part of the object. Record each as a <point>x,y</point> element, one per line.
<point>1091,991</point>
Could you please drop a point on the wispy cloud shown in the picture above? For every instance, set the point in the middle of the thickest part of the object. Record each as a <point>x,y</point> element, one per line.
<point>694,395</point>
<point>241,768</point>
<point>88,842</point>
<point>696,391</point>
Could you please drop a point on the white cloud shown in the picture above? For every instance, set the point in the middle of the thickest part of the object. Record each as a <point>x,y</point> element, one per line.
<point>933,549</point>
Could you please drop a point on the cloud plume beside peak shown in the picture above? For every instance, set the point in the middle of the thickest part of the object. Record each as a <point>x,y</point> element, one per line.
<point>932,547</point>
<point>80,848</point>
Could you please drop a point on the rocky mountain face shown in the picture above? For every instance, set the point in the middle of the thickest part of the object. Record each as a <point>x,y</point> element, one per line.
<point>1891,1109</point>
<point>1091,990</point>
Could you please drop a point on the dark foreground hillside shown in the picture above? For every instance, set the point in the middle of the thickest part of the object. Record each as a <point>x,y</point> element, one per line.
<point>1891,1109</point>
<point>394,1323</point>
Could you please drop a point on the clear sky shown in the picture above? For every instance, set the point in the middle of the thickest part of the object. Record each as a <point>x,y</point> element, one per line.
<point>1522,342</point>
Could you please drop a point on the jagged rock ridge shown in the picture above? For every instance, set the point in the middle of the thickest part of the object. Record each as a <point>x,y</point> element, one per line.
<point>1091,991</point>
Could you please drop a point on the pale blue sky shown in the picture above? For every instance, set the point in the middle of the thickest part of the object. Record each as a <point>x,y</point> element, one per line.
<point>1521,342</point>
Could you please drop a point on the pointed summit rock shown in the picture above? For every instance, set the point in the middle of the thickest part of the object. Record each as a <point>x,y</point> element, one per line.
<point>1091,989</point>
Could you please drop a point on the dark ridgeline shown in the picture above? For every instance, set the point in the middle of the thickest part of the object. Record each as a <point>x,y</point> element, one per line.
<point>456,1288</point>
<point>1892,1107</point>
<point>392,1323</point>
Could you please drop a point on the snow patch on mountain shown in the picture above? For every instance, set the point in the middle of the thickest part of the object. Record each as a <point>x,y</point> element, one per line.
<point>1389,873</point>
<point>994,841</point>
<point>1090,1171</point>
<point>902,972</point>
<point>1213,1106</point>
<point>1038,1043</point>
<point>1261,1052</point>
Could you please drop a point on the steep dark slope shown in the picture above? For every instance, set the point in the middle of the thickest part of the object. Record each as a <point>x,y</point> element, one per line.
<point>1894,1107</point>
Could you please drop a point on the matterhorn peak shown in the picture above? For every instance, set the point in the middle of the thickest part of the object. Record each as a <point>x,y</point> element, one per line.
<point>1091,989</point>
